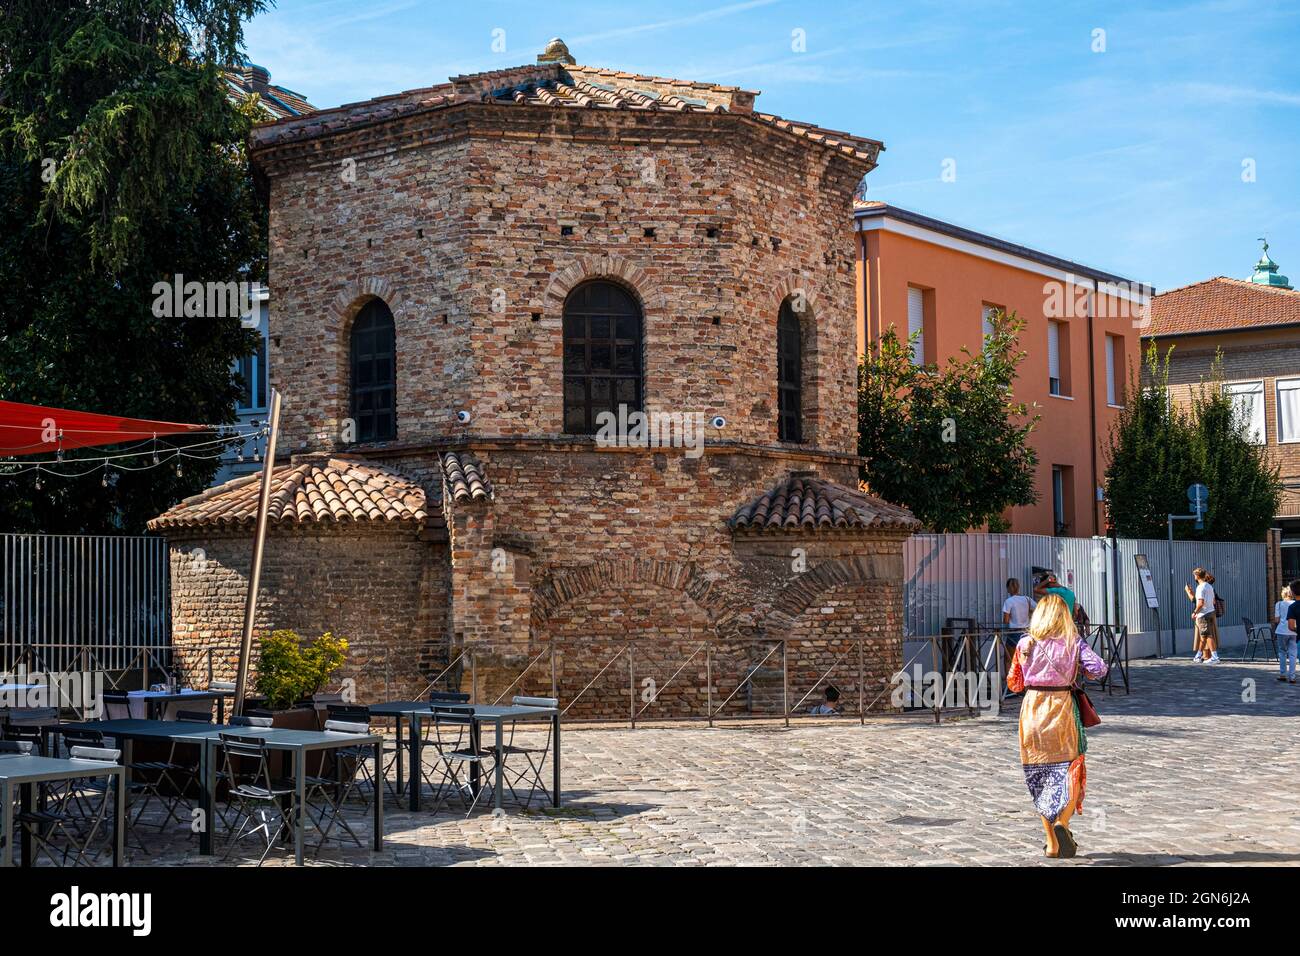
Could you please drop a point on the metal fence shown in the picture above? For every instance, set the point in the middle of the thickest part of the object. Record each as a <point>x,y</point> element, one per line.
<point>62,596</point>
<point>964,575</point>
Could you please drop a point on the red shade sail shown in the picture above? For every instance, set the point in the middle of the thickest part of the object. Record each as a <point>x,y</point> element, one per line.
<point>38,430</point>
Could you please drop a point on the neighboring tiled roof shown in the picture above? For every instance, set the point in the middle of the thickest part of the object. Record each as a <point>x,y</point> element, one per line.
<point>279,101</point>
<point>1222,304</point>
<point>801,503</point>
<point>557,85</point>
<point>314,491</point>
<point>465,478</point>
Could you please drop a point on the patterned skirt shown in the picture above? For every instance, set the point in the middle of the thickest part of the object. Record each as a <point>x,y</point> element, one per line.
<point>1052,745</point>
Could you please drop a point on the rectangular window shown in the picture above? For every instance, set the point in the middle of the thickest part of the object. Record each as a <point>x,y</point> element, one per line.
<point>1288,410</point>
<point>1114,370</point>
<point>916,323</point>
<point>1248,403</point>
<point>986,327</point>
<point>1062,499</point>
<point>1054,358</point>
<point>252,372</point>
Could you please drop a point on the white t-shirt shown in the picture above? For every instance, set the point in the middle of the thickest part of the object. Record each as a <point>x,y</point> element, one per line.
<point>1205,594</point>
<point>1018,607</point>
<point>1283,626</point>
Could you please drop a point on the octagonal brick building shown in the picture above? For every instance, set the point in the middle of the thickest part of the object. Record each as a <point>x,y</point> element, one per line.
<point>465,278</point>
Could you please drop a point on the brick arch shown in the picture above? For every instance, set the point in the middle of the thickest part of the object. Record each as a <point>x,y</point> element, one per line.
<point>612,268</point>
<point>562,587</point>
<point>806,588</point>
<point>350,299</point>
<point>343,309</point>
<point>787,287</point>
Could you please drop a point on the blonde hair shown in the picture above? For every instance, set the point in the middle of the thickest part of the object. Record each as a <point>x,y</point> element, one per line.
<point>1052,618</point>
<point>1286,593</point>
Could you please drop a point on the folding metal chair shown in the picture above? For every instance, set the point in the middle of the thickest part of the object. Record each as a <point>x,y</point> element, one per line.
<point>194,716</point>
<point>31,724</point>
<point>117,705</point>
<point>324,796</point>
<point>44,826</point>
<point>452,741</point>
<point>255,792</point>
<point>76,796</point>
<point>535,757</point>
<point>360,714</point>
<point>1258,636</point>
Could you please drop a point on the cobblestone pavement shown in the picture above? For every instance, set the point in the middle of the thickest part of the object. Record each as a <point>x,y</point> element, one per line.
<point>1199,765</point>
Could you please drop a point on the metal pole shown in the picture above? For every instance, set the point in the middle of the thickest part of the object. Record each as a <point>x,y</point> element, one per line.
<point>554,695</point>
<point>785,680</point>
<point>259,546</point>
<point>631,689</point>
<point>862,688</point>
<point>708,681</point>
<point>1173,623</point>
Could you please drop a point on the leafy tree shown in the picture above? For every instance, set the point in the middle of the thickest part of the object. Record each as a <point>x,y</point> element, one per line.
<point>121,165</point>
<point>1159,448</point>
<point>951,443</point>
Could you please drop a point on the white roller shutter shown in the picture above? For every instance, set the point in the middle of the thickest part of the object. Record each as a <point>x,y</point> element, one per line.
<point>1110,371</point>
<point>916,323</point>
<point>1054,355</point>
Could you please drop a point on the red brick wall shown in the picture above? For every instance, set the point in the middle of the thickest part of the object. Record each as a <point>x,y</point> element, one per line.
<point>438,228</point>
<point>385,591</point>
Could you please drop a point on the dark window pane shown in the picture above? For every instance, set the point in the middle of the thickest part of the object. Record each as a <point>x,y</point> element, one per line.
<point>374,359</point>
<point>602,354</point>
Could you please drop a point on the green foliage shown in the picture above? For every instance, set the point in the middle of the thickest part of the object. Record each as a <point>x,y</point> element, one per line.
<point>950,443</point>
<point>1158,449</point>
<point>122,164</point>
<point>289,670</point>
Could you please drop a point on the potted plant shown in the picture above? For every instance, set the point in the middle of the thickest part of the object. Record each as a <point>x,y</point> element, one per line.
<point>290,670</point>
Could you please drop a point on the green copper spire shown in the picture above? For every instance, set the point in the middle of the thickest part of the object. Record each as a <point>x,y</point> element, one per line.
<point>1266,271</point>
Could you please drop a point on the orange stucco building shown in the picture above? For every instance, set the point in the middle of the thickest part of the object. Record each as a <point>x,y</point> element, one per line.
<point>1081,339</point>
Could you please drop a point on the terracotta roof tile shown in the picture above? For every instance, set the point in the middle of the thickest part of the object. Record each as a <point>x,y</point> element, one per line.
<point>802,503</point>
<point>313,491</point>
<point>465,478</point>
<point>553,86</point>
<point>1222,304</point>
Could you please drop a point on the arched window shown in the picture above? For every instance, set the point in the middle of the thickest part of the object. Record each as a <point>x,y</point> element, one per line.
<point>374,373</point>
<point>789,375</point>
<point>602,355</point>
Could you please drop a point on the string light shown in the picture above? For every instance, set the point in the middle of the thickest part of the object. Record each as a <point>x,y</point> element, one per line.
<point>146,449</point>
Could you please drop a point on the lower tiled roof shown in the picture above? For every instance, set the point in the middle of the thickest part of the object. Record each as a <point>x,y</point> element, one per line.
<point>465,478</point>
<point>803,503</point>
<point>314,491</point>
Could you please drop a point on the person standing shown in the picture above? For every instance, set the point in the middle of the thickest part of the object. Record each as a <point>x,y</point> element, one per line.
<point>1285,634</point>
<point>1204,621</point>
<point>1048,583</point>
<point>1048,661</point>
<point>1016,608</point>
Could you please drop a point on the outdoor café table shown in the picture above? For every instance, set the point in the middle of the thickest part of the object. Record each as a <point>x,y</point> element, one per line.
<point>156,700</point>
<point>298,743</point>
<point>27,772</point>
<point>415,711</point>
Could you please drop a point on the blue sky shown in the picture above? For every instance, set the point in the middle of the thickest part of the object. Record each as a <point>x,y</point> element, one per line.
<point>1129,159</point>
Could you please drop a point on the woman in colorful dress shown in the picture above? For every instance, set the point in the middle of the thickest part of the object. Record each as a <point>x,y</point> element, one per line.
<point>1047,663</point>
